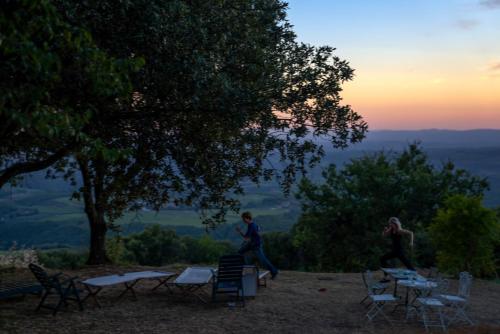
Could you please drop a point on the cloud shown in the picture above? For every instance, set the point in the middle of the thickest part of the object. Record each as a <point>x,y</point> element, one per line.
<point>466,24</point>
<point>494,67</point>
<point>491,4</point>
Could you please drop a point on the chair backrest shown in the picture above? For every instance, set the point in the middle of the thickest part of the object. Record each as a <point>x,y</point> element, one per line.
<point>230,268</point>
<point>363,275</point>
<point>369,281</point>
<point>433,273</point>
<point>464,284</point>
<point>441,288</point>
<point>41,275</point>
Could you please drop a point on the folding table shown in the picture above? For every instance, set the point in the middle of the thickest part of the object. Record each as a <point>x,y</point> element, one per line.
<point>96,284</point>
<point>193,279</point>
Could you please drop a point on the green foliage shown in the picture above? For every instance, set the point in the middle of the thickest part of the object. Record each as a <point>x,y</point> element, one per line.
<point>465,235</point>
<point>158,246</point>
<point>225,86</point>
<point>155,246</point>
<point>205,249</point>
<point>342,220</point>
<point>116,250</point>
<point>53,80</point>
<point>280,250</point>
<point>62,259</point>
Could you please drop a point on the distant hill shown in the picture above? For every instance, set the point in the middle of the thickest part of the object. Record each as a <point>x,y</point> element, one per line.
<point>431,138</point>
<point>40,212</point>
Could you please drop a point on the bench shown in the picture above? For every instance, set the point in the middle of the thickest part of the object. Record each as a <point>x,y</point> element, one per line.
<point>11,288</point>
<point>263,278</point>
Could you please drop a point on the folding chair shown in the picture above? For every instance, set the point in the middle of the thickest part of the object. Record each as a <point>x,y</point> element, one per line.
<point>378,300</point>
<point>377,288</point>
<point>430,305</point>
<point>458,303</point>
<point>65,290</point>
<point>229,277</point>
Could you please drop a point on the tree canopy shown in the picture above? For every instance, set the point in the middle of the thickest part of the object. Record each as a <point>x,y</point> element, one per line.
<point>343,216</point>
<point>53,80</point>
<point>465,235</point>
<point>227,95</point>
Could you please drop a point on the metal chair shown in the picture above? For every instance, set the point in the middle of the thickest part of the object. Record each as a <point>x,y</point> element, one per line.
<point>429,305</point>
<point>64,289</point>
<point>459,302</point>
<point>378,300</point>
<point>229,277</point>
<point>377,288</point>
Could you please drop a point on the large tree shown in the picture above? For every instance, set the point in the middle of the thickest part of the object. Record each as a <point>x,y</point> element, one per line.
<point>53,79</point>
<point>227,95</point>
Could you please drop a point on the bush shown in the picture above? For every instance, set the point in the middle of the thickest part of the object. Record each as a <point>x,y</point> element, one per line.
<point>205,249</point>
<point>465,235</point>
<point>157,246</point>
<point>279,249</point>
<point>425,253</point>
<point>117,253</point>
<point>153,247</point>
<point>62,259</point>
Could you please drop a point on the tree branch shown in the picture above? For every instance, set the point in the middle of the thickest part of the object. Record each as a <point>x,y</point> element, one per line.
<point>31,166</point>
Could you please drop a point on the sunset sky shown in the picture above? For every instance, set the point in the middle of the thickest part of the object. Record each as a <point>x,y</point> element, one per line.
<point>419,64</point>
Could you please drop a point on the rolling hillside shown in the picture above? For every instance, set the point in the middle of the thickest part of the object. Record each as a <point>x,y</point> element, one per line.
<point>40,212</point>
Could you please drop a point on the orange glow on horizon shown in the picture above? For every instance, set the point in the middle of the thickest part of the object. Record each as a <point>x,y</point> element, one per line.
<point>421,100</point>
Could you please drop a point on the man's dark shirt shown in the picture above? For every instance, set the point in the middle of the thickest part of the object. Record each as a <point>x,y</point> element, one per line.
<point>253,234</point>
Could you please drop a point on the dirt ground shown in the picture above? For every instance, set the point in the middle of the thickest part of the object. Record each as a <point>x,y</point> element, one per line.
<point>295,302</point>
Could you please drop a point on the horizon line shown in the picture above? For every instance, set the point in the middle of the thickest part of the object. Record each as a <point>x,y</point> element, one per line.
<point>436,129</point>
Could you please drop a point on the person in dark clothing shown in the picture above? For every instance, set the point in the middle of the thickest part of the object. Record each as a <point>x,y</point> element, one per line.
<point>253,243</point>
<point>395,231</point>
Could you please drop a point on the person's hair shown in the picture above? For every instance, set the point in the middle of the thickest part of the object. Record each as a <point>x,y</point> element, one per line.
<point>395,220</point>
<point>246,215</point>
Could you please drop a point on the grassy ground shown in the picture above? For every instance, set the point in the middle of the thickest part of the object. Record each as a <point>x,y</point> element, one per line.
<point>294,303</point>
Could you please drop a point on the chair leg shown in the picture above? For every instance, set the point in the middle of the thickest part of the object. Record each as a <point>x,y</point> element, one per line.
<point>363,300</point>
<point>441,319</point>
<point>47,292</point>
<point>77,296</point>
<point>242,295</point>
<point>59,304</point>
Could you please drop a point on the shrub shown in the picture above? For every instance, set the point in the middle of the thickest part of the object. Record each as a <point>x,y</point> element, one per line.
<point>279,249</point>
<point>62,259</point>
<point>205,249</point>
<point>155,246</point>
<point>465,234</point>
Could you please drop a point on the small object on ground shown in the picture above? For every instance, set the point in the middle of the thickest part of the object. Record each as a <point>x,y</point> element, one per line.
<point>325,278</point>
<point>231,305</point>
<point>322,289</point>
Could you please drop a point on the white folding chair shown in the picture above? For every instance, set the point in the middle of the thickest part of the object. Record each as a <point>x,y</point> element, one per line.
<point>378,300</point>
<point>377,288</point>
<point>459,302</point>
<point>431,305</point>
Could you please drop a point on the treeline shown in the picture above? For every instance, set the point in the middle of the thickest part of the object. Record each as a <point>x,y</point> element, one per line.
<point>343,217</point>
<point>155,246</point>
<point>340,228</point>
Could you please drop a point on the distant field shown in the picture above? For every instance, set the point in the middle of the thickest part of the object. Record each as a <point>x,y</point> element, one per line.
<point>50,219</point>
<point>41,212</point>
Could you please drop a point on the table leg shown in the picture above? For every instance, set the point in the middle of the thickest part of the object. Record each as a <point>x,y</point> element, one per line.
<point>129,287</point>
<point>92,294</point>
<point>163,282</point>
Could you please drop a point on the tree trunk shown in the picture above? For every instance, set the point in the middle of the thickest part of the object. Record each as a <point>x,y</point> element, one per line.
<point>95,214</point>
<point>97,254</point>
